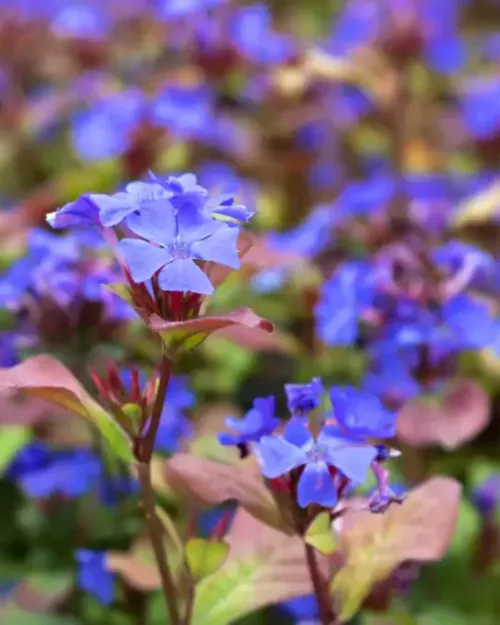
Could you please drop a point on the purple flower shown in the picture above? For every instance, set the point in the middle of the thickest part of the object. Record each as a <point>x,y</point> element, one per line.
<point>171,9</point>
<point>80,21</point>
<point>304,398</point>
<point>251,32</point>
<point>278,455</point>
<point>185,111</point>
<point>361,414</point>
<point>93,575</point>
<point>486,496</point>
<point>481,107</point>
<point>344,296</point>
<point>259,421</point>
<point>311,236</point>
<point>172,245</point>
<point>82,212</point>
<point>104,130</point>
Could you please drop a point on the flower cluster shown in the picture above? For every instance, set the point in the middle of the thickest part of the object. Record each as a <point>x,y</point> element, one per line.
<point>319,466</point>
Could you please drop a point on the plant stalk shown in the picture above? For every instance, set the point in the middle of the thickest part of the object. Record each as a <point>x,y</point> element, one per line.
<point>326,614</point>
<point>156,535</point>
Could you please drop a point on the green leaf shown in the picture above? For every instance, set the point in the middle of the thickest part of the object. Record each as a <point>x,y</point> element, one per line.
<point>320,534</point>
<point>46,378</point>
<point>420,529</point>
<point>12,615</point>
<point>120,289</point>
<point>205,557</point>
<point>264,567</point>
<point>12,439</point>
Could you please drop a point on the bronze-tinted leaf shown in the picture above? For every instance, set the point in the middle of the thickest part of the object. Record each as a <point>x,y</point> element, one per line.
<point>265,566</point>
<point>459,417</point>
<point>48,379</point>
<point>420,530</point>
<point>214,483</point>
<point>194,331</point>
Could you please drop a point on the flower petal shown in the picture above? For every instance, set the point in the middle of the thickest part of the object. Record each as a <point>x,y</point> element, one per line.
<point>155,221</point>
<point>220,247</point>
<point>296,433</point>
<point>142,258</point>
<point>316,486</point>
<point>277,456</point>
<point>353,459</point>
<point>184,275</point>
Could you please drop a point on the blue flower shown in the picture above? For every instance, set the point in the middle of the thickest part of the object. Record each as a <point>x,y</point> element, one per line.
<point>186,111</point>
<point>70,474</point>
<point>304,398</point>
<point>179,394</point>
<point>93,575</point>
<point>80,21</point>
<point>361,414</point>
<point>390,377</point>
<point>259,421</point>
<point>344,297</point>
<point>171,9</point>
<point>115,489</point>
<point>104,130</point>
<point>172,245</point>
<point>251,33</point>
<point>9,353</point>
<point>82,212</point>
<point>481,107</point>
<point>278,455</point>
<point>173,429</point>
<point>303,609</point>
<point>486,496</point>
<point>311,236</point>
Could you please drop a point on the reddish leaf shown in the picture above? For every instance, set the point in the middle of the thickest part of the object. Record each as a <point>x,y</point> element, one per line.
<point>15,410</point>
<point>459,417</point>
<point>213,483</point>
<point>420,530</point>
<point>193,331</point>
<point>256,339</point>
<point>260,256</point>
<point>46,378</point>
<point>264,567</point>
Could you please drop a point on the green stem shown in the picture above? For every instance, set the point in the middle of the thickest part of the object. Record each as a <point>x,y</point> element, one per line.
<point>326,614</point>
<point>156,535</point>
<point>144,453</point>
<point>148,441</point>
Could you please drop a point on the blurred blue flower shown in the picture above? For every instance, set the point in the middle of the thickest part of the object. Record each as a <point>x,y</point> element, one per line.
<point>171,9</point>
<point>104,130</point>
<point>80,20</point>
<point>93,575</point>
<point>432,24</point>
<point>278,455</point>
<point>186,111</point>
<point>343,298</point>
<point>304,398</point>
<point>172,245</point>
<point>302,609</point>
<point>311,236</point>
<point>486,496</point>
<point>174,428</point>
<point>481,107</point>
<point>259,421</point>
<point>361,414</point>
<point>251,32</point>
<point>9,353</point>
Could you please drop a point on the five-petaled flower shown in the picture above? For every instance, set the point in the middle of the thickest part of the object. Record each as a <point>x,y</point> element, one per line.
<point>317,459</point>
<point>170,245</point>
